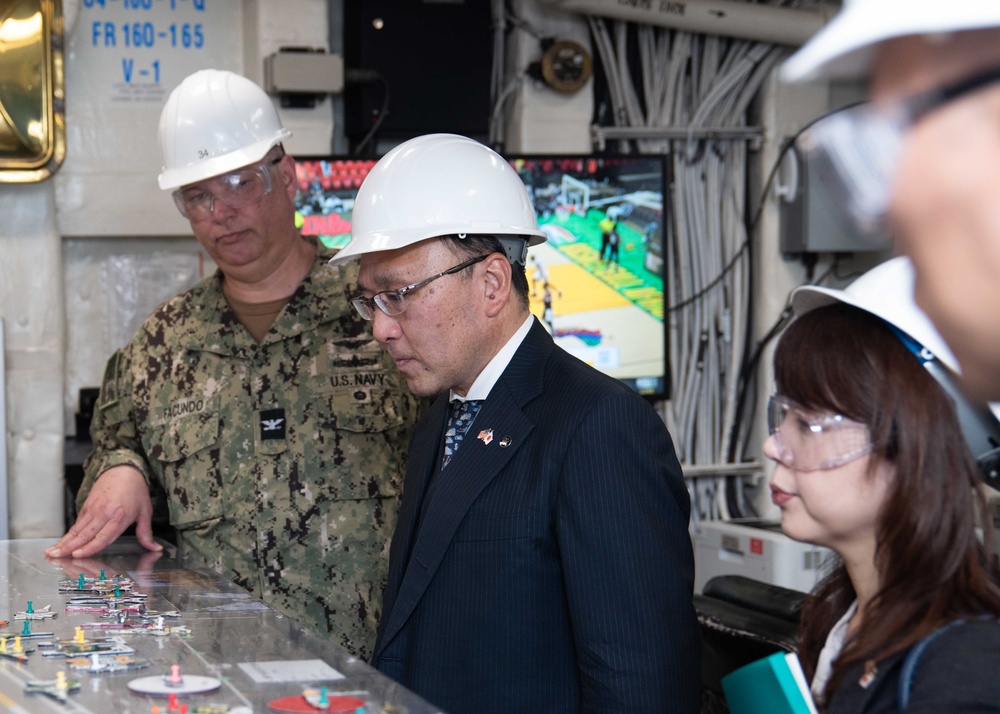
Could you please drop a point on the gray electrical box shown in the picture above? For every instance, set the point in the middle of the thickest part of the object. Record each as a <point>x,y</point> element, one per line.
<point>303,72</point>
<point>810,221</point>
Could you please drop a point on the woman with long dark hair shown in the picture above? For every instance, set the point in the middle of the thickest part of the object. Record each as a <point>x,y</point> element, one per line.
<point>871,462</point>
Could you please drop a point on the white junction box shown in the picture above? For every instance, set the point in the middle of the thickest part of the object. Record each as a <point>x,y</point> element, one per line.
<point>757,550</point>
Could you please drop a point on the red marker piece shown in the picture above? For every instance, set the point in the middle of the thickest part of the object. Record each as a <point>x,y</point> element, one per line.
<point>298,704</point>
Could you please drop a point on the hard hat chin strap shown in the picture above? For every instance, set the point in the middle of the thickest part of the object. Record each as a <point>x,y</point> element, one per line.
<point>978,424</point>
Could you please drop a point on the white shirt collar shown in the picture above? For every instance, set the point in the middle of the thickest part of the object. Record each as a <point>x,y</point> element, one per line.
<point>831,650</point>
<point>481,388</point>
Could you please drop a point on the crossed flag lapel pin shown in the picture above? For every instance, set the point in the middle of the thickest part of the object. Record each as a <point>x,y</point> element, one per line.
<point>486,436</point>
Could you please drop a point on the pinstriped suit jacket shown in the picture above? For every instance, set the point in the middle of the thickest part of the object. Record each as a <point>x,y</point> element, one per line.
<point>549,568</point>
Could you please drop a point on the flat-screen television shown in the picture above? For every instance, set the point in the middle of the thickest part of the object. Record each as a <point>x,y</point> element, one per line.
<point>325,201</point>
<point>597,283</point>
<point>603,261</point>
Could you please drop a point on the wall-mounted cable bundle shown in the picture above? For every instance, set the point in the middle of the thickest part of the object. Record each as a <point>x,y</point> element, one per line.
<point>697,83</point>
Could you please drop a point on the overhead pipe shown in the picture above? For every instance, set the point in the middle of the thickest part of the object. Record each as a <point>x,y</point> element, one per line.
<point>726,18</point>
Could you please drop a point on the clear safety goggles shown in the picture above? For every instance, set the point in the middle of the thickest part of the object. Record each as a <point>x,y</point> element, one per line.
<point>811,441</point>
<point>856,150</point>
<point>237,190</point>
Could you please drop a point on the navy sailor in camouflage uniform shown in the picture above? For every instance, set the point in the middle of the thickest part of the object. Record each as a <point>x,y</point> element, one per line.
<point>258,400</point>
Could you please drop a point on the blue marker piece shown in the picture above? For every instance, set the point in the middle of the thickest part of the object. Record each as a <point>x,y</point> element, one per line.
<point>81,583</point>
<point>26,630</point>
<point>30,609</point>
<point>102,573</point>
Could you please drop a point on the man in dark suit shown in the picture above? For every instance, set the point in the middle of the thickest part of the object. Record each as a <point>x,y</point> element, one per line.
<point>543,562</point>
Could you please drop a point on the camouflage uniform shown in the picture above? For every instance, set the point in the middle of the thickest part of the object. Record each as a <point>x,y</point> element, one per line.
<point>281,461</point>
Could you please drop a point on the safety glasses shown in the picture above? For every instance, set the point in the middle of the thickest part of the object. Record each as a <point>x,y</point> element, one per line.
<point>856,150</point>
<point>807,440</point>
<point>237,190</point>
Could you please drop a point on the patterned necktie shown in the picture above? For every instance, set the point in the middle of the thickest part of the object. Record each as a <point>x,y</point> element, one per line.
<point>462,414</point>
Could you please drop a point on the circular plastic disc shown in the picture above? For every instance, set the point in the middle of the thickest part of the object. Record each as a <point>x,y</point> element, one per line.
<point>190,684</point>
<point>298,703</point>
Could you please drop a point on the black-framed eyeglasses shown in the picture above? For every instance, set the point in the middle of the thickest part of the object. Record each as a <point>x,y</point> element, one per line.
<point>393,302</point>
<point>857,149</point>
<point>236,189</point>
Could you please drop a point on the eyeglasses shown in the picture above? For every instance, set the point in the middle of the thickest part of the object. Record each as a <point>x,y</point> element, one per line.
<point>237,190</point>
<point>856,150</point>
<point>393,302</point>
<point>807,441</point>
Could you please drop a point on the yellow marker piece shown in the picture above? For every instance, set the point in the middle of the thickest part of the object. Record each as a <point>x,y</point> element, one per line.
<point>80,638</point>
<point>9,703</point>
<point>3,644</point>
<point>60,680</point>
<point>17,644</point>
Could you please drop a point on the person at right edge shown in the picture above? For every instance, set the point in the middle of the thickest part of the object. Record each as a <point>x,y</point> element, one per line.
<point>874,450</point>
<point>542,564</point>
<point>921,160</point>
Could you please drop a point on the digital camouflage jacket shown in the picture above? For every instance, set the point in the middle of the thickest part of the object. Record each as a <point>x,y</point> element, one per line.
<point>282,462</point>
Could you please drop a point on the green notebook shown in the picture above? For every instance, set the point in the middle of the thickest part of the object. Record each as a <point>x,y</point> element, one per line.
<point>773,685</point>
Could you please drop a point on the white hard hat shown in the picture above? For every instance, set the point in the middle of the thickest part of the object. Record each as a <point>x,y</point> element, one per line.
<point>886,291</point>
<point>215,122</point>
<point>438,185</point>
<point>843,48</point>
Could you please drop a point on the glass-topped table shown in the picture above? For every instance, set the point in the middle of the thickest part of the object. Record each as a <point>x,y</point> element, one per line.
<point>257,655</point>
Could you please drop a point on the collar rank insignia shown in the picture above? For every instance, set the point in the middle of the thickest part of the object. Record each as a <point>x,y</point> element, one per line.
<point>272,424</point>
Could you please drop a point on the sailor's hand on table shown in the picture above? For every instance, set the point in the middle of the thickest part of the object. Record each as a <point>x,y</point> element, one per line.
<point>118,499</point>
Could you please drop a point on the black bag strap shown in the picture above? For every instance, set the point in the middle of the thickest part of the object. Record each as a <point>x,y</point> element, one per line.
<point>910,663</point>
